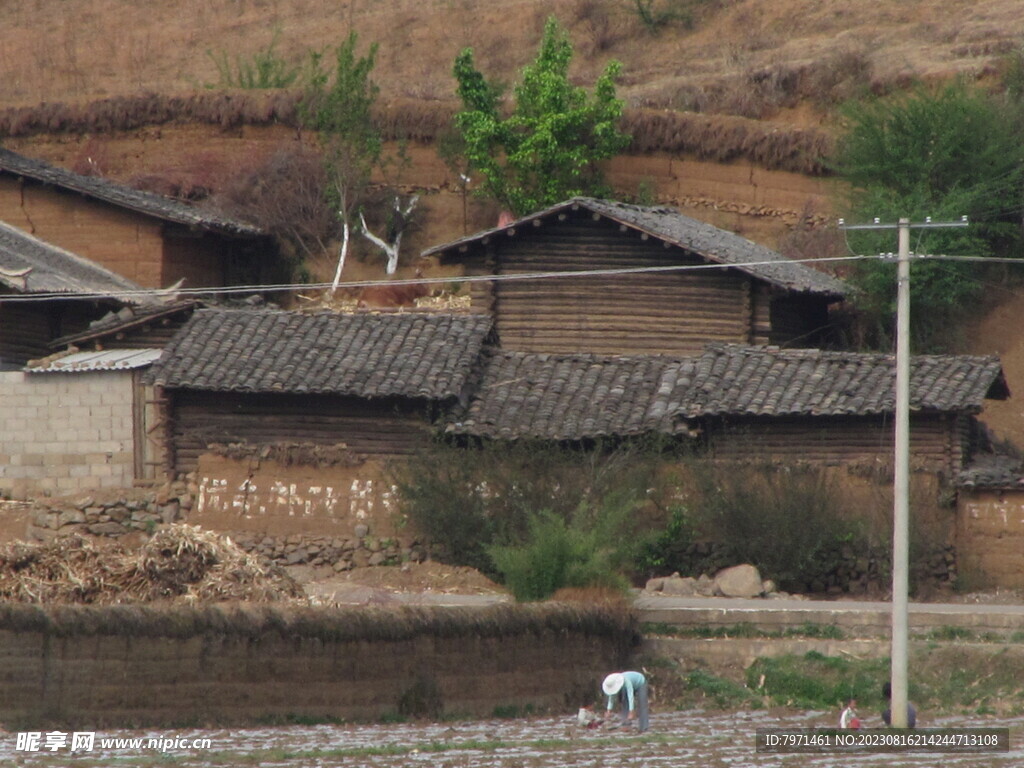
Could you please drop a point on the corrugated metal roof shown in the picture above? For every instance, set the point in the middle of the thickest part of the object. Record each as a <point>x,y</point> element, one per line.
<point>106,360</point>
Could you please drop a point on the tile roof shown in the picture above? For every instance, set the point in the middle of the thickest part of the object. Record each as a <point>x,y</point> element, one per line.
<point>123,196</point>
<point>128,318</point>
<point>30,265</point>
<point>713,244</point>
<point>364,355</point>
<point>992,471</point>
<point>767,381</point>
<point>573,397</point>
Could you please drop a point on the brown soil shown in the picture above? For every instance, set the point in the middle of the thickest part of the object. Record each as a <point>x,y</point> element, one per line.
<point>414,577</point>
<point>387,584</point>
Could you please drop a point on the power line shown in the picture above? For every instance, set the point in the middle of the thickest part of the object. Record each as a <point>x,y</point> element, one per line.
<point>455,279</point>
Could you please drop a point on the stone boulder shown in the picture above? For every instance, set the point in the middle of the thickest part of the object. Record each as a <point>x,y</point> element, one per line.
<point>739,581</point>
<point>679,586</point>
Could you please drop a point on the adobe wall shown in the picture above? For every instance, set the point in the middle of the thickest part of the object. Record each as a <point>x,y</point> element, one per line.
<point>122,241</point>
<point>270,497</point>
<point>990,534</point>
<point>62,433</point>
<point>81,666</point>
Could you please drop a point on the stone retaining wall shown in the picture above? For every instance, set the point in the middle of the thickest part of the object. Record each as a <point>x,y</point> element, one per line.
<point>83,667</point>
<point>142,512</point>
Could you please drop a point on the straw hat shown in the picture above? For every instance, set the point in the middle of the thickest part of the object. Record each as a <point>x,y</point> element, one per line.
<point>613,683</point>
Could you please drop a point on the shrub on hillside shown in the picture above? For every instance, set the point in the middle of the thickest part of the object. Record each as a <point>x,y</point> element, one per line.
<point>941,153</point>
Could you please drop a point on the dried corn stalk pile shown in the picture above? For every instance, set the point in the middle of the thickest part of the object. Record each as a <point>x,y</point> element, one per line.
<point>179,563</point>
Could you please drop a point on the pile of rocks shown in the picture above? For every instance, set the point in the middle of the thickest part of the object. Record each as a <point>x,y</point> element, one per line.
<point>340,553</point>
<point>737,581</point>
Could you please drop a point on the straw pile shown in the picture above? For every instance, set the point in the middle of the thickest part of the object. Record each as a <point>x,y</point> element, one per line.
<point>180,563</point>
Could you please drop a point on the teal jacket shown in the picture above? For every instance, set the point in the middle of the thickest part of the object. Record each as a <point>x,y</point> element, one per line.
<point>633,682</point>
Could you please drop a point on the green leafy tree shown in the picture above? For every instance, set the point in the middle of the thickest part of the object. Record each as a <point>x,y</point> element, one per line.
<point>338,105</point>
<point>943,153</point>
<point>549,147</point>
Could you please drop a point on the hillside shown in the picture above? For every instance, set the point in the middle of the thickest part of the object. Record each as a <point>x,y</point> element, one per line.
<point>88,49</point>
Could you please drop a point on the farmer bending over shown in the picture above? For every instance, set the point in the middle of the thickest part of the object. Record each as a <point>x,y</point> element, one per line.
<point>631,688</point>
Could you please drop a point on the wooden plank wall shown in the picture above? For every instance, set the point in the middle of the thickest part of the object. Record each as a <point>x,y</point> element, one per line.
<point>666,313</point>
<point>935,440</point>
<point>26,333</point>
<point>373,428</point>
<point>28,327</point>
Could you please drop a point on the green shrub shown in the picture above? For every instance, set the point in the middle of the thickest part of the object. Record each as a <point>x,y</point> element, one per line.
<point>814,681</point>
<point>466,499</point>
<point>263,70</point>
<point>941,152</point>
<point>723,693</point>
<point>667,551</point>
<point>557,554</point>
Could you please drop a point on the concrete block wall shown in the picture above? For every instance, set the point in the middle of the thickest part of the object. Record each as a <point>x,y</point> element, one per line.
<point>64,433</point>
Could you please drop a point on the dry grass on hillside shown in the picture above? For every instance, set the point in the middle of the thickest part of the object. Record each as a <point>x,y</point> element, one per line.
<point>746,57</point>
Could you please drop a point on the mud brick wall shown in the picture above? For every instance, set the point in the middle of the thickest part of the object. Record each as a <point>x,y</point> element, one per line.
<point>990,538</point>
<point>63,433</point>
<point>121,666</point>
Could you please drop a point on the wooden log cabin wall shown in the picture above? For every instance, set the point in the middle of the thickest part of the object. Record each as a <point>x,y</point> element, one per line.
<point>938,442</point>
<point>377,428</point>
<point>669,313</point>
<point>657,312</point>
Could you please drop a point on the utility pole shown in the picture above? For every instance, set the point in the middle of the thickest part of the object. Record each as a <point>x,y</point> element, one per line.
<point>901,466</point>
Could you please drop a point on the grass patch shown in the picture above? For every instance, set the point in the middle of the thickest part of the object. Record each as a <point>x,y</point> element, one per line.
<point>722,693</point>
<point>950,633</point>
<point>814,681</point>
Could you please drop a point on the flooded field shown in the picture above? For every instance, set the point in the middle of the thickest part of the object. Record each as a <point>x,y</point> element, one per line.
<point>676,740</point>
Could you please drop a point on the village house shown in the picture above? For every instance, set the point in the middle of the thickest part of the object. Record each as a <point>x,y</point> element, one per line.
<point>152,240</point>
<point>82,424</point>
<point>306,409</point>
<point>686,283</point>
<point>741,403</point>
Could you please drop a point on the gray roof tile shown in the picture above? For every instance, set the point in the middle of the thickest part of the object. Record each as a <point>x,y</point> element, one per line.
<point>123,196</point>
<point>30,265</point>
<point>574,397</point>
<point>364,355</point>
<point>767,381</point>
<point>715,245</point>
